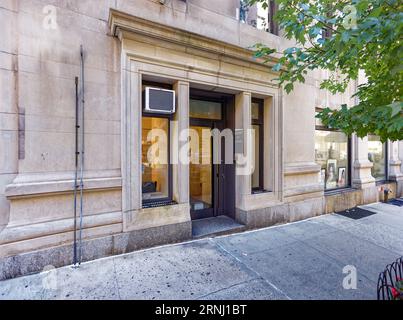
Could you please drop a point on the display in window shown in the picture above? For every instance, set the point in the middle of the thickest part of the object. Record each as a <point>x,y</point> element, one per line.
<point>342,176</point>
<point>331,153</point>
<point>155,169</point>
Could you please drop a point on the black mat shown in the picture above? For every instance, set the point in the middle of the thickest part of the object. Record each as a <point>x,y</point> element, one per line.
<point>356,213</point>
<point>396,202</point>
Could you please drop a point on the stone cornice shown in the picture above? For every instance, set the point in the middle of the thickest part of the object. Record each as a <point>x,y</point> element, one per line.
<point>301,168</point>
<point>19,190</point>
<point>120,21</point>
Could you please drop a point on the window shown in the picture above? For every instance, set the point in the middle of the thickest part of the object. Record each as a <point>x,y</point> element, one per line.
<point>332,153</point>
<point>156,180</point>
<point>203,109</point>
<point>258,127</point>
<point>259,15</point>
<point>377,154</point>
<point>273,25</point>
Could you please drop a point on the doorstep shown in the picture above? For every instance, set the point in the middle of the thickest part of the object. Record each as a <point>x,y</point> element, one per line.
<point>215,226</point>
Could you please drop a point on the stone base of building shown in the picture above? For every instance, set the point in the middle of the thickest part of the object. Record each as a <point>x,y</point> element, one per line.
<point>279,214</point>
<point>328,203</point>
<point>37,261</point>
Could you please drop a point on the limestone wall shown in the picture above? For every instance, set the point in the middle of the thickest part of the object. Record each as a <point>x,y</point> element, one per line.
<point>8,103</point>
<point>38,64</point>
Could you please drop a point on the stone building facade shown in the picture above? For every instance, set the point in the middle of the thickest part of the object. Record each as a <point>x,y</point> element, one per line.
<point>198,49</point>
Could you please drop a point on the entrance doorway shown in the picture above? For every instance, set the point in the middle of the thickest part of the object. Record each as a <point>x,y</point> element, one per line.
<point>212,182</point>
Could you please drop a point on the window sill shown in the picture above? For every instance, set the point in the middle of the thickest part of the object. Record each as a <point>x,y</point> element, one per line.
<point>260,191</point>
<point>381,182</point>
<point>339,191</point>
<point>158,203</point>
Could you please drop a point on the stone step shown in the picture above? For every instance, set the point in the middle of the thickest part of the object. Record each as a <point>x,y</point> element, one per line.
<point>215,226</point>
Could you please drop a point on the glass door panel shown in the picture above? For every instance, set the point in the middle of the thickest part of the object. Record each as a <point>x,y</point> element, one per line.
<point>201,173</point>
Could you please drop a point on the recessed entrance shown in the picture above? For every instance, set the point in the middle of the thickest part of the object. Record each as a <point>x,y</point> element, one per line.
<point>212,182</point>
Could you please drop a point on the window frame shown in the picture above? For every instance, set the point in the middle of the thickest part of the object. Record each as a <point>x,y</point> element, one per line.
<point>273,25</point>
<point>349,149</point>
<point>259,122</point>
<point>169,199</point>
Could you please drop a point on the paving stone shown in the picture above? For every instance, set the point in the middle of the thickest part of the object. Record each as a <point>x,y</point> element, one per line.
<point>246,243</point>
<point>302,260</point>
<point>178,272</point>
<point>302,272</point>
<point>257,289</point>
<point>347,249</point>
<point>380,234</point>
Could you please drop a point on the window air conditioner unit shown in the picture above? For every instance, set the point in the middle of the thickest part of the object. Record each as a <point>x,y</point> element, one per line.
<point>159,100</point>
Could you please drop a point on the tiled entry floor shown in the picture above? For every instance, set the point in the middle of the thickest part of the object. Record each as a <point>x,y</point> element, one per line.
<point>215,226</point>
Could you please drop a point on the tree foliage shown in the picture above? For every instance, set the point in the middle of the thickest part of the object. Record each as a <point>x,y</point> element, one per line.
<point>345,37</point>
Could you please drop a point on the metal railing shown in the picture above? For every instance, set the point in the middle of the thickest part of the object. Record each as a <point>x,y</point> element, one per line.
<point>390,281</point>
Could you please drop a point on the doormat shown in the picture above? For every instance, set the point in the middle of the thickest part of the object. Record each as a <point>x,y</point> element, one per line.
<point>396,202</point>
<point>356,213</point>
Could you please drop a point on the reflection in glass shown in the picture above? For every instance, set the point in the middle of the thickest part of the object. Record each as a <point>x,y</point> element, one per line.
<point>255,111</point>
<point>331,153</point>
<point>256,171</point>
<point>205,109</point>
<point>155,179</point>
<point>201,171</point>
<point>377,155</point>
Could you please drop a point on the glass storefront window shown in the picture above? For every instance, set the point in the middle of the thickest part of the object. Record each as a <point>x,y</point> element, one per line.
<point>377,155</point>
<point>331,153</point>
<point>155,167</point>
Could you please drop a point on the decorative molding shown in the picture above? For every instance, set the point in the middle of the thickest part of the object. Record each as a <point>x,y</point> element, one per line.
<point>16,190</point>
<point>42,229</point>
<point>301,168</point>
<point>120,21</point>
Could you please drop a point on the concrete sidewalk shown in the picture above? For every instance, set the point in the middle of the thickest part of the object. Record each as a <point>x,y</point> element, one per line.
<point>302,260</point>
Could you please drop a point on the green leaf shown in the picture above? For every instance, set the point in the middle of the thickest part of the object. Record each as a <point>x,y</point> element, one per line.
<point>288,87</point>
<point>397,108</point>
<point>370,41</point>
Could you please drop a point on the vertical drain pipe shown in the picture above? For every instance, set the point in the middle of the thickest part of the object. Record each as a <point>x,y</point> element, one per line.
<point>81,154</point>
<point>76,177</point>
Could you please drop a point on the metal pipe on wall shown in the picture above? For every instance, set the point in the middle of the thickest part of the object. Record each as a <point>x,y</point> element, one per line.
<point>82,153</point>
<point>76,176</point>
<point>79,162</point>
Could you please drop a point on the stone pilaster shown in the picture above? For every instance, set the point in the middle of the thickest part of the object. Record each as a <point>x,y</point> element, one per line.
<point>394,169</point>
<point>362,177</point>
<point>243,120</point>
<point>180,128</point>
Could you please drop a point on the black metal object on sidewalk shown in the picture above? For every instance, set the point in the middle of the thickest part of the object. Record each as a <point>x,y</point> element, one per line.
<point>396,202</point>
<point>389,280</point>
<point>356,213</point>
